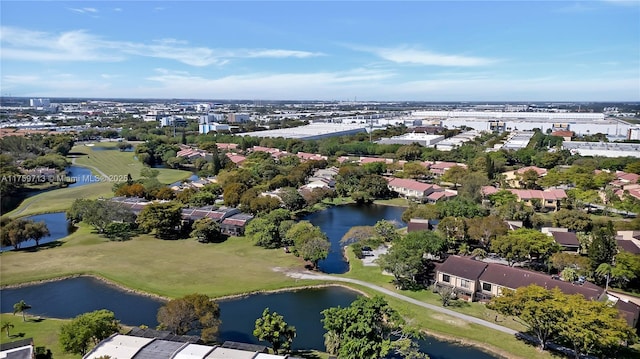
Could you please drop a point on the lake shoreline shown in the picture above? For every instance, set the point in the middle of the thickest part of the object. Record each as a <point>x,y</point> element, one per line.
<point>444,337</point>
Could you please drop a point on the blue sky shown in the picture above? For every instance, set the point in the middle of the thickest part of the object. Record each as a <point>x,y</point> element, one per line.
<point>323,50</point>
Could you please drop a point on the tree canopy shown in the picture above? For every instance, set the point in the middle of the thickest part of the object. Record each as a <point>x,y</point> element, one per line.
<point>524,244</point>
<point>191,312</point>
<point>590,327</point>
<point>272,328</point>
<point>368,328</point>
<point>163,218</point>
<point>87,329</point>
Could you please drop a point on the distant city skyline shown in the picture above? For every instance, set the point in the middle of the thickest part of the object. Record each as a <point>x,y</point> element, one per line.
<point>330,50</point>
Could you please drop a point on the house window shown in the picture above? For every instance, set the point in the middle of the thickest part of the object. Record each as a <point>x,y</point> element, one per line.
<point>464,283</point>
<point>486,286</point>
<point>446,278</point>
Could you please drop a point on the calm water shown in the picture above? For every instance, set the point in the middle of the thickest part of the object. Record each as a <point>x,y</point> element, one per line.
<point>81,174</point>
<point>70,297</point>
<point>336,221</point>
<point>57,224</point>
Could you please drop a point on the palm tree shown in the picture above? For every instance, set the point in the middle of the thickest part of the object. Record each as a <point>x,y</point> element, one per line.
<point>604,270</point>
<point>7,326</point>
<point>21,307</point>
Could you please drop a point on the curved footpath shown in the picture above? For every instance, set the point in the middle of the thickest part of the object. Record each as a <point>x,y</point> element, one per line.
<point>468,318</point>
<point>104,175</point>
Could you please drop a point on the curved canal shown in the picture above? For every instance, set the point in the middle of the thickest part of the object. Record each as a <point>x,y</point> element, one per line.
<point>301,308</point>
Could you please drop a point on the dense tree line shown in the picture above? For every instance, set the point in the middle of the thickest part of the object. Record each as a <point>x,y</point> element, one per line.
<point>14,232</point>
<point>587,326</point>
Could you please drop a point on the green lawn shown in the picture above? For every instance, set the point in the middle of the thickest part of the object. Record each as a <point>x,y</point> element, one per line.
<point>119,164</point>
<point>44,332</point>
<point>169,268</point>
<point>398,202</point>
<point>60,199</point>
<point>113,163</point>
<point>178,267</point>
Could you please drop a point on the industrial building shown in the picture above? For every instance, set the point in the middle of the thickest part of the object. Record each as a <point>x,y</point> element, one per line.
<point>423,139</point>
<point>457,140</point>
<point>603,149</point>
<point>312,131</point>
<point>516,140</point>
<point>578,122</point>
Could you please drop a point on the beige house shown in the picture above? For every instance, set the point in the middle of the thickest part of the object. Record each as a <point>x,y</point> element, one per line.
<point>513,178</point>
<point>411,189</point>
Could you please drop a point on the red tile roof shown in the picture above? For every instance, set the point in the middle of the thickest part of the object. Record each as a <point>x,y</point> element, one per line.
<point>411,184</point>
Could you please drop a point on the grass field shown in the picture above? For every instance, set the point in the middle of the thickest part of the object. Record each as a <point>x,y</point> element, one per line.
<point>44,332</point>
<point>111,162</point>
<point>179,267</point>
<point>119,164</point>
<point>173,268</point>
<point>169,268</point>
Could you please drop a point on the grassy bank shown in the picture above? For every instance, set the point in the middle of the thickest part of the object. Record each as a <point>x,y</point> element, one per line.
<point>60,199</point>
<point>169,268</point>
<point>117,163</point>
<point>44,332</point>
<point>112,162</point>
<point>176,268</point>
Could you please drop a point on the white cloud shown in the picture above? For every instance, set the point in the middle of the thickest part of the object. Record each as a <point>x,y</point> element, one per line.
<point>79,45</point>
<point>411,55</point>
<point>26,45</point>
<point>84,10</point>
<point>275,53</point>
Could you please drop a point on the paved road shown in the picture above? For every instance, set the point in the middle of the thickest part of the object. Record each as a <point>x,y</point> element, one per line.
<point>468,318</point>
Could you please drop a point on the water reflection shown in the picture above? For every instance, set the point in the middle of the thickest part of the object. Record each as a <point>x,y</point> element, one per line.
<point>336,221</point>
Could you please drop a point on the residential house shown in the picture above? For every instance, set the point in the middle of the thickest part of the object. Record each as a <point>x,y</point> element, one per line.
<point>439,168</point>
<point>304,156</point>
<point>19,349</point>
<point>227,146</point>
<point>628,241</point>
<point>237,159</point>
<point>477,280</point>
<point>441,195</point>
<point>192,154</point>
<point>567,240</point>
<point>135,204</point>
<point>419,224</point>
<point>549,198</point>
<point>462,274</point>
<point>474,280</point>
<point>412,189</point>
<point>157,344</point>
<point>234,225</point>
<point>513,178</point>
<point>274,152</point>
<point>565,134</point>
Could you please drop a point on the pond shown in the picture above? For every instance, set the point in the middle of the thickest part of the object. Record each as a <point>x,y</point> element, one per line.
<point>57,224</point>
<point>336,221</point>
<point>82,176</point>
<point>69,297</point>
